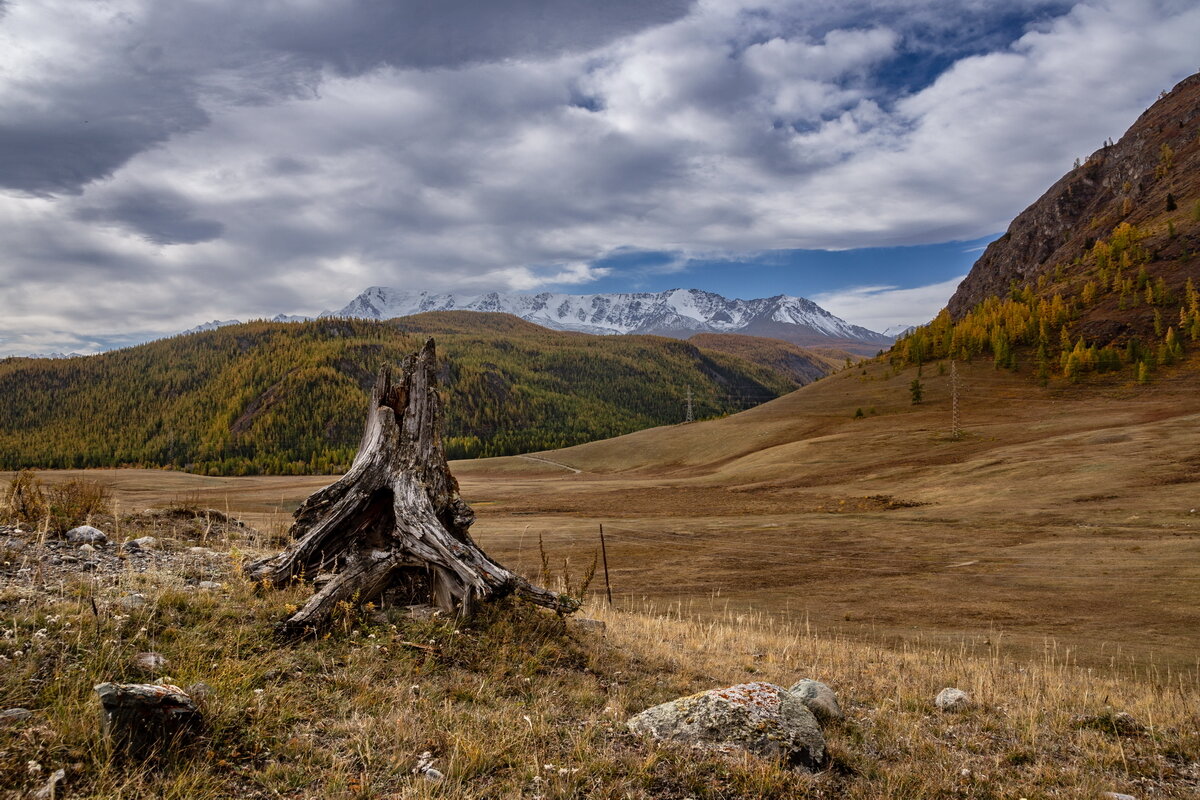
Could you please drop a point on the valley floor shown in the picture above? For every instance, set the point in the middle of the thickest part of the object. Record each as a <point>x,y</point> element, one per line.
<point>1066,519</point>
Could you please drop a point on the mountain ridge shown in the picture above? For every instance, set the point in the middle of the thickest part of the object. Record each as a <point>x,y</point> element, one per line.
<point>677,313</point>
<point>1148,180</point>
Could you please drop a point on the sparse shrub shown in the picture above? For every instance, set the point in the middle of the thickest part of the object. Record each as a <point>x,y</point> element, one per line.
<point>858,414</point>
<point>25,500</point>
<point>75,502</point>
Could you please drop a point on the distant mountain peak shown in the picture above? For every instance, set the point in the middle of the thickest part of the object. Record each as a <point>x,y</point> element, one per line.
<point>678,313</point>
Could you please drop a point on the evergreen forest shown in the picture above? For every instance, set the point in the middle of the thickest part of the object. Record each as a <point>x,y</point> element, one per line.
<point>290,398</point>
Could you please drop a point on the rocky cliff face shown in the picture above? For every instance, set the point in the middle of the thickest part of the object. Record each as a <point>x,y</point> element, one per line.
<point>1128,181</point>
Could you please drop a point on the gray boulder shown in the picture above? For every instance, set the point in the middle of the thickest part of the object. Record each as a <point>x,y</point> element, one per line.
<point>86,534</point>
<point>819,699</point>
<point>144,720</point>
<point>950,699</point>
<point>759,718</point>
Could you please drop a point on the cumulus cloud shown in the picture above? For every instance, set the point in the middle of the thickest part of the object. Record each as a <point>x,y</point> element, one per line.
<point>232,159</point>
<point>881,308</point>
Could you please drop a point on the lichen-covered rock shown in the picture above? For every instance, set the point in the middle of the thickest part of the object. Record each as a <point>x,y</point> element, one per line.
<point>759,718</point>
<point>950,699</point>
<point>819,699</point>
<point>144,720</point>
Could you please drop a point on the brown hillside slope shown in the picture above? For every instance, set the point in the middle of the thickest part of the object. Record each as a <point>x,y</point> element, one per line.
<point>1149,179</point>
<point>801,365</point>
<point>1065,513</point>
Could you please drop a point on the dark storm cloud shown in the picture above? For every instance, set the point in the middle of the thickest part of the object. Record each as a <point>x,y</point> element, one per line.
<point>163,163</point>
<point>60,138</point>
<point>70,125</point>
<point>359,36</point>
<point>159,216</point>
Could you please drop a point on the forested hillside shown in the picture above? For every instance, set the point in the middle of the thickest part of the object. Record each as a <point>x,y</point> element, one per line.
<point>1101,273</point>
<point>290,397</point>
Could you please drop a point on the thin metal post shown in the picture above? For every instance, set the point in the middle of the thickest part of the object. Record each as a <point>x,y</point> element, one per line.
<point>604,558</point>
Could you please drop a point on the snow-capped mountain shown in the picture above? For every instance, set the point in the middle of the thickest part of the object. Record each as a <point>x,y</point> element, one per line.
<point>678,312</point>
<point>210,326</point>
<point>221,323</point>
<point>896,331</point>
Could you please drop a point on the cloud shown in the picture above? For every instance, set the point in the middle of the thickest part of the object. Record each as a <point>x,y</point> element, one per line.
<point>881,307</point>
<point>161,216</point>
<point>234,159</point>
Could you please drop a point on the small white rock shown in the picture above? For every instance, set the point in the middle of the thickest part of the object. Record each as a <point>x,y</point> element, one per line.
<point>86,534</point>
<point>151,661</point>
<point>141,543</point>
<point>132,601</point>
<point>950,699</point>
<point>210,585</point>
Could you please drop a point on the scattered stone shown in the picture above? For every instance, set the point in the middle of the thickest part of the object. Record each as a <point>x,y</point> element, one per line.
<point>201,551</point>
<point>86,534</point>
<point>1117,796</point>
<point>86,548</point>
<point>199,691</point>
<point>150,662</point>
<point>144,720</point>
<point>819,699</point>
<point>758,718</point>
<point>141,543</point>
<point>1117,723</point>
<point>950,699</point>
<point>47,792</point>
<point>131,601</point>
<point>15,714</point>
<point>210,585</point>
<point>589,625</point>
<point>425,767</point>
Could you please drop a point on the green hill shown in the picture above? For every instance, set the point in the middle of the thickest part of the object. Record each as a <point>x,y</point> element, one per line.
<point>290,397</point>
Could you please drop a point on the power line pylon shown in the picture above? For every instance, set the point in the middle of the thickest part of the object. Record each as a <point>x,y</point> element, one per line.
<point>955,427</point>
<point>690,417</point>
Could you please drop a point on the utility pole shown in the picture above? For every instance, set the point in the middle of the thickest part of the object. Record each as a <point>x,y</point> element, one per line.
<point>690,417</point>
<point>955,427</point>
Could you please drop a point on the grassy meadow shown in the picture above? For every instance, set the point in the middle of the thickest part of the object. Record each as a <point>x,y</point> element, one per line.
<point>520,703</point>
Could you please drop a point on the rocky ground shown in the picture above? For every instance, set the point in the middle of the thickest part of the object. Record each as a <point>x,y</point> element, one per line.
<point>106,555</point>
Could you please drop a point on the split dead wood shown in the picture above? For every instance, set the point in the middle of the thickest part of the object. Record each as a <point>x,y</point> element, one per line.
<point>395,522</point>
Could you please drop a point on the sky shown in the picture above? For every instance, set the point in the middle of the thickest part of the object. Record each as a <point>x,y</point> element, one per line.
<point>163,164</point>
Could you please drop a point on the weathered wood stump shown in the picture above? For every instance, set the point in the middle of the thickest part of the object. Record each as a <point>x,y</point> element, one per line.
<point>395,521</point>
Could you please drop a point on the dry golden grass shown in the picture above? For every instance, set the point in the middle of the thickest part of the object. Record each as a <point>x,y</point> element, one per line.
<point>515,704</point>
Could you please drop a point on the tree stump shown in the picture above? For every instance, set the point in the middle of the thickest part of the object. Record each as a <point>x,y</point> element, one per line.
<point>395,521</point>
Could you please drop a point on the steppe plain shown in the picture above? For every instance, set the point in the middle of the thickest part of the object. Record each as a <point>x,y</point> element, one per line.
<point>1066,519</point>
